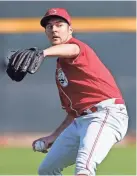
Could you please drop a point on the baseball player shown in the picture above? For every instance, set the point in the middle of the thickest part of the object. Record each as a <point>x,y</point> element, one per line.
<point>96,113</point>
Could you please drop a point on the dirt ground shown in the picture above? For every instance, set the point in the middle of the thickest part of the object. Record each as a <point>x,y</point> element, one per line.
<point>26,139</point>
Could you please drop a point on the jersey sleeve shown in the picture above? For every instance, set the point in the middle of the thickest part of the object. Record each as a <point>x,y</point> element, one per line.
<point>78,59</point>
<point>82,48</point>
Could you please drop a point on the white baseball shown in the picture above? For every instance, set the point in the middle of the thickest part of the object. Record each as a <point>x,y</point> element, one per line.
<point>40,146</point>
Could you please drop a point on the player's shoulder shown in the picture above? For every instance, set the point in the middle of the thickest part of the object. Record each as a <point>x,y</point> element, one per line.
<point>80,43</point>
<point>75,40</point>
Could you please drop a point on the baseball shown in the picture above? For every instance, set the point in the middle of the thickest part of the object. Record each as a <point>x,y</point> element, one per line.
<point>40,146</point>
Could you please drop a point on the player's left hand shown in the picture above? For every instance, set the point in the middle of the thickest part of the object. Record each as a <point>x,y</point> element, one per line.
<point>23,62</point>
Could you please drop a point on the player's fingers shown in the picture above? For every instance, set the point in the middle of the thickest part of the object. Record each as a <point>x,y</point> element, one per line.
<point>44,151</point>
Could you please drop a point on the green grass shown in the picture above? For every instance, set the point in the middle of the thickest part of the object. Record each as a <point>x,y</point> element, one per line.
<point>17,161</point>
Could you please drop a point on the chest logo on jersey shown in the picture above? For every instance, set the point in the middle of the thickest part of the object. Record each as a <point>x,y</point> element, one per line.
<point>62,78</point>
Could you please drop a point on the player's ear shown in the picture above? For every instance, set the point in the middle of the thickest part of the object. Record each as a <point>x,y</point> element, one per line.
<point>70,30</point>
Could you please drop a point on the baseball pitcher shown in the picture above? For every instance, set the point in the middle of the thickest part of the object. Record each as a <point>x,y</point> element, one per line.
<point>96,113</point>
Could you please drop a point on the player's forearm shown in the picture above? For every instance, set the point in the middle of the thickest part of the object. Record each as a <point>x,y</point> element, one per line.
<point>69,119</point>
<point>63,50</point>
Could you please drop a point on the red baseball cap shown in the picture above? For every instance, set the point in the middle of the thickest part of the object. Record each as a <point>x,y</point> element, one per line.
<point>59,12</point>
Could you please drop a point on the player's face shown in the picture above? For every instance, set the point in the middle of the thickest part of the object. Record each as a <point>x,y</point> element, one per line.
<point>58,31</point>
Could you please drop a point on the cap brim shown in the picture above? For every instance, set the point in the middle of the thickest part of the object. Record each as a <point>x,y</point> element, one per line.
<point>45,19</point>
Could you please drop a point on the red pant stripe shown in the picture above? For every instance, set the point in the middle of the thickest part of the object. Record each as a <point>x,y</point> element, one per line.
<point>96,140</point>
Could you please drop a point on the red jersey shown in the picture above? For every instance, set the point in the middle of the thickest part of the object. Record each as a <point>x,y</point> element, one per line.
<point>84,81</point>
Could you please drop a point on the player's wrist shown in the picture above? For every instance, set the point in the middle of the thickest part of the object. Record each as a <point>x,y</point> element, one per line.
<point>54,136</point>
<point>45,53</point>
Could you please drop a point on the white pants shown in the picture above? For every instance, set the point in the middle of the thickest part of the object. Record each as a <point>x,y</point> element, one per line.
<point>87,140</point>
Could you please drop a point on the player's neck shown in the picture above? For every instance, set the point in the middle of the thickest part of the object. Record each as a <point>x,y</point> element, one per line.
<point>68,38</point>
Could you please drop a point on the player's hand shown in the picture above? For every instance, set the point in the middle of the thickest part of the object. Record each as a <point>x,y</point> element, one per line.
<point>23,62</point>
<point>48,140</point>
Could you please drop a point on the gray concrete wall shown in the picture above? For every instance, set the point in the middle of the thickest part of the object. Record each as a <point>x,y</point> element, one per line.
<point>88,8</point>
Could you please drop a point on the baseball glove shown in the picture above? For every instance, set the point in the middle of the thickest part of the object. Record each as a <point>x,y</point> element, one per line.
<point>23,62</point>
